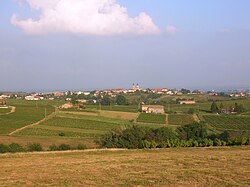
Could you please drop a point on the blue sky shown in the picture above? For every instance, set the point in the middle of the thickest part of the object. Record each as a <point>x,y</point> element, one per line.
<point>193,44</point>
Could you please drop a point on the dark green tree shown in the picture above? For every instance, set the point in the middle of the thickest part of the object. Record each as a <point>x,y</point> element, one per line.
<point>192,131</point>
<point>214,108</point>
<point>121,100</point>
<point>106,100</point>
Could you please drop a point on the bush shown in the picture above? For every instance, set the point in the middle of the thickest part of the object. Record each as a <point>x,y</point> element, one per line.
<point>34,147</point>
<point>81,147</point>
<point>61,134</point>
<point>64,147</point>
<point>15,147</point>
<point>192,131</point>
<point>53,147</point>
<point>217,142</point>
<point>4,148</point>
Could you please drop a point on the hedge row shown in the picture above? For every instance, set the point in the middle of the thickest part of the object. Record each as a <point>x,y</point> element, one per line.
<point>35,147</point>
<point>193,135</point>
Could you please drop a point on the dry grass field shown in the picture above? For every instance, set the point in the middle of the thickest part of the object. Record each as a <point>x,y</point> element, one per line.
<point>119,115</point>
<point>228,166</point>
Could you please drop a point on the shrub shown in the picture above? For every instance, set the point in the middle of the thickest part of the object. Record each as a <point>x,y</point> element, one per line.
<point>192,131</point>
<point>64,147</point>
<point>15,147</point>
<point>34,147</point>
<point>4,148</point>
<point>53,147</point>
<point>153,144</point>
<point>244,141</point>
<point>61,134</point>
<point>217,142</point>
<point>81,147</point>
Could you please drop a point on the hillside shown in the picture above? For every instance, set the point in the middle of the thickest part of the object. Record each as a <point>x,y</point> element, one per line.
<point>179,167</point>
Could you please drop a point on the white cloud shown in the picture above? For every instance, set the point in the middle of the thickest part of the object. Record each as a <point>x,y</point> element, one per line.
<point>170,29</point>
<point>97,17</point>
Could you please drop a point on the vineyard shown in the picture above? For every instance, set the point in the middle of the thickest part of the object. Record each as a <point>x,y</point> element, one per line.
<point>152,118</point>
<point>180,119</point>
<point>26,113</point>
<point>228,122</point>
<point>70,128</point>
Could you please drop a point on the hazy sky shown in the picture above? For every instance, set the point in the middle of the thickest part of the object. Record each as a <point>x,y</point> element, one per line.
<point>83,44</point>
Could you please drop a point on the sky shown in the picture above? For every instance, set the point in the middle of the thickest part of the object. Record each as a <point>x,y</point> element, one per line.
<point>96,44</point>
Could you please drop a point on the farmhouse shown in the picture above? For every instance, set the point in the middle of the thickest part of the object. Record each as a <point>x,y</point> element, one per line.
<point>156,109</point>
<point>187,102</point>
<point>33,98</point>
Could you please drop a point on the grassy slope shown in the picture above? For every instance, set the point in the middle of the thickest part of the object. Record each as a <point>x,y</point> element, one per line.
<point>26,113</point>
<point>151,118</point>
<point>180,119</point>
<point>4,110</point>
<point>166,167</point>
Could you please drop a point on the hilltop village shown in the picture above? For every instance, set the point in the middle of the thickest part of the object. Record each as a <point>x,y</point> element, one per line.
<point>132,96</point>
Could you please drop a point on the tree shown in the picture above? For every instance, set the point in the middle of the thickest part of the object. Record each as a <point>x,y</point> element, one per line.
<point>214,108</point>
<point>239,108</point>
<point>185,91</point>
<point>192,131</point>
<point>121,100</point>
<point>106,100</point>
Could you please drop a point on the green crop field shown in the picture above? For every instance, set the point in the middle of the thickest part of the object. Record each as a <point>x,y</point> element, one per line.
<point>72,128</point>
<point>228,166</point>
<point>228,122</point>
<point>180,119</point>
<point>152,118</point>
<point>205,107</point>
<point>27,112</point>
<point>4,110</point>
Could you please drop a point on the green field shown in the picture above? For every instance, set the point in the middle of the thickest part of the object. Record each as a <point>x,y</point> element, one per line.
<point>88,125</point>
<point>180,119</point>
<point>72,128</point>
<point>228,122</point>
<point>27,112</point>
<point>152,118</point>
<point>205,106</point>
<point>228,166</point>
<point>4,110</point>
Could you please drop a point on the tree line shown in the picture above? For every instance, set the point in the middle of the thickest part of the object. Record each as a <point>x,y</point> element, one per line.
<point>192,135</point>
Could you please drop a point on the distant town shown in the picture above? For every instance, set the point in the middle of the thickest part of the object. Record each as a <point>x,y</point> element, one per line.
<point>94,95</point>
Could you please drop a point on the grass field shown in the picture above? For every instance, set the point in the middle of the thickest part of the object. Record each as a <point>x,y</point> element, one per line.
<point>180,119</point>
<point>27,112</point>
<point>165,167</point>
<point>152,118</point>
<point>72,128</point>
<point>4,110</point>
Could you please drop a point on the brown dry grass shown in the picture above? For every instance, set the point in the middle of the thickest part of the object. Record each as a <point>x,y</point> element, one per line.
<point>46,142</point>
<point>165,167</point>
<point>119,115</point>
